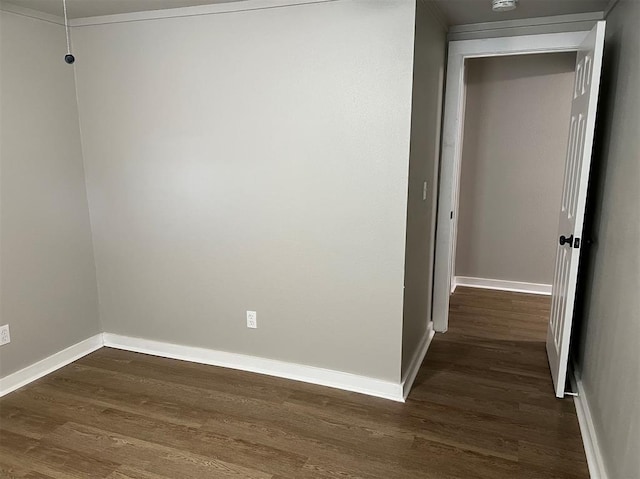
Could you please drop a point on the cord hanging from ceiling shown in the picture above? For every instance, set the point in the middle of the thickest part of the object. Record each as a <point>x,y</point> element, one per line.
<point>69,58</point>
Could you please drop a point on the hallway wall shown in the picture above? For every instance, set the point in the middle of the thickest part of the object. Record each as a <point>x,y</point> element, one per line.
<point>515,136</point>
<point>607,347</point>
<point>426,115</point>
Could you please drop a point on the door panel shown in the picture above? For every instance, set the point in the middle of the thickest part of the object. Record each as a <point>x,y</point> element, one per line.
<point>574,194</point>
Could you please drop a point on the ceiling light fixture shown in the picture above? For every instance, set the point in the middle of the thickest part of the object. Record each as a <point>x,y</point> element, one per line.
<point>504,5</point>
<point>69,58</point>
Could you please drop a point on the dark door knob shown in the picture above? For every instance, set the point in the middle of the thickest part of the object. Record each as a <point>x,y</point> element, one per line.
<point>564,240</point>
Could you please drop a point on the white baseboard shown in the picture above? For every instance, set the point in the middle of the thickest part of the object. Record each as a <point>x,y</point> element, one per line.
<point>270,367</point>
<point>297,372</point>
<point>587,429</point>
<point>416,361</point>
<point>48,365</point>
<point>503,285</point>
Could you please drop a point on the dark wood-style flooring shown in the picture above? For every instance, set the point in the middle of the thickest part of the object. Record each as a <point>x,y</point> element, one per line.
<point>482,407</point>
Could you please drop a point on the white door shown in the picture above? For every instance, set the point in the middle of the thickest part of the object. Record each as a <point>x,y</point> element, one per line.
<point>574,195</point>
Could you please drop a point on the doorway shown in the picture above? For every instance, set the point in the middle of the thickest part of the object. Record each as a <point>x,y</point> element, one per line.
<point>584,95</point>
<point>516,127</point>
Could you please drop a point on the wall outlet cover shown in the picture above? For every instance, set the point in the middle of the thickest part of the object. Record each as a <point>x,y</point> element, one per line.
<point>5,337</point>
<point>252,319</point>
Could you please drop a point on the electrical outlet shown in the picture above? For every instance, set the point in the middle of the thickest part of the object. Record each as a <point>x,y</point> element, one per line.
<point>252,319</point>
<point>5,337</point>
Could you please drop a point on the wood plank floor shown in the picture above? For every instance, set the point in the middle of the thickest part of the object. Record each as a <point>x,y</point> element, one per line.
<point>482,407</point>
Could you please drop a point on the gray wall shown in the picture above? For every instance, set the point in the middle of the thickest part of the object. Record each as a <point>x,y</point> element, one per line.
<point>48,290</point>
<point>608,348</point>
<point>515,136</point>
<point>253,161</point>
<point>426,113</point>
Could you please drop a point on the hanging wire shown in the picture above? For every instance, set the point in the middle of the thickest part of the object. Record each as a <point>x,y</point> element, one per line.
<point>69,58</point>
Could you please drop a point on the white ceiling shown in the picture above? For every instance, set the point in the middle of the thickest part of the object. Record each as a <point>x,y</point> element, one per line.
<point>456,12</point>
<point>93,8</point>
<point>461,12</point>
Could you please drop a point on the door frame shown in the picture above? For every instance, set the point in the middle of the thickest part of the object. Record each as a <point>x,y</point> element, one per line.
<point>452,136</point>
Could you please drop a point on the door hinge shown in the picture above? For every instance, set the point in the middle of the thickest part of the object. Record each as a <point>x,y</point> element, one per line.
<point>576,243</point>
<point>451,215</point>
